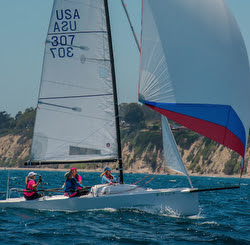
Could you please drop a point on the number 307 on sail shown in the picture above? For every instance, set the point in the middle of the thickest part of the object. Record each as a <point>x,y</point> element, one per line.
<point>62,52</point>
<point>63,40</point>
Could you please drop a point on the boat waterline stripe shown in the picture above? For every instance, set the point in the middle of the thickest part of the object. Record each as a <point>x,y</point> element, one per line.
<point>222,115</point>
<point>213,131</point>
<point>73,97</point>
<point>75,32</point>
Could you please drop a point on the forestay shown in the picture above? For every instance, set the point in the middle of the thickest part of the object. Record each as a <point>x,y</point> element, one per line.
<point>75,118</point>
<point>195,69</point>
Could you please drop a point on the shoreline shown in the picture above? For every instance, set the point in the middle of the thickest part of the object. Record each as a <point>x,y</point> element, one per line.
<point>128,172</point>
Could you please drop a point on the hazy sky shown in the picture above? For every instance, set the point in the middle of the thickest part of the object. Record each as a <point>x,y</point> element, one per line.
<point>24,25</point>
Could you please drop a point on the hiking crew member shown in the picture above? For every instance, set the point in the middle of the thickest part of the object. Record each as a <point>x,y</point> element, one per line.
<point>72,187</point>
<point>76,175</point>
<point>106,176</point>
<point>31,185</point>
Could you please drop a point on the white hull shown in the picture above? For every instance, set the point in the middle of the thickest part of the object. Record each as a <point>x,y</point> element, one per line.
<point>180,201</point>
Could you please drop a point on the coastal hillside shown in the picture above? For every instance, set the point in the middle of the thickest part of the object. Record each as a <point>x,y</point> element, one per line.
<point>141,145</point>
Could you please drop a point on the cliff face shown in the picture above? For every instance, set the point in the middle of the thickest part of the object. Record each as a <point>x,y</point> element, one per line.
<point>14,151</point>
<point>200,159</point>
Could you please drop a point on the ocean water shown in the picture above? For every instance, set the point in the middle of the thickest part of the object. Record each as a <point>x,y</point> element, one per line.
<point>224,216</point>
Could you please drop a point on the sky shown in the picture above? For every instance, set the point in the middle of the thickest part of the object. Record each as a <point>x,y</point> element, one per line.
<point>24,25</point>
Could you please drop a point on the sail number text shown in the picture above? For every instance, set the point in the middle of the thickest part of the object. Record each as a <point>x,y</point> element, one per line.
<point>66,20</point>
<point>65,49</point>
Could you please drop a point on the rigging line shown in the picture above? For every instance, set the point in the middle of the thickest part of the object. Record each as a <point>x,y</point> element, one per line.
<point>142,179</point>
<point>8,181</point>
<point>151,178</point>
<point>178,184</point>
<point>76,96</point>
<point>136,186</point>
<point>75,32</point>
<point>132,188</point>
<point>131,26</point>
<point>148,180</point>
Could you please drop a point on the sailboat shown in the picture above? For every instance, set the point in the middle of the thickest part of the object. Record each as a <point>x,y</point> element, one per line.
<point>192,60</point>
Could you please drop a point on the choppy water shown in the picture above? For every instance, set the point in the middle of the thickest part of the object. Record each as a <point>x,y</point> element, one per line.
<point>224,216</point>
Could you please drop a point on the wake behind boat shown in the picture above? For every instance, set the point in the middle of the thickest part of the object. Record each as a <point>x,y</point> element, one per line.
<point>185,75</point>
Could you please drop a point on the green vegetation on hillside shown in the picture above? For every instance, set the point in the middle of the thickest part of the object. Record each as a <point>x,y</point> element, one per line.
<point>140,130</point>
<point>230,167</point>
<point>21,124</point>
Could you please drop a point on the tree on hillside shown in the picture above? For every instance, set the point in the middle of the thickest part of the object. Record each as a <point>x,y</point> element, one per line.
<point>133,114</point>
<point>6,121</point>
<point>122,110</point>
<point>18,115</point>
<point>26,120</point>
<point>150,114</point>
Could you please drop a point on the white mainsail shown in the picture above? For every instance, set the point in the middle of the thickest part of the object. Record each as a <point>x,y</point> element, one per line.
<point>75,118</point>
<point>195,68</point>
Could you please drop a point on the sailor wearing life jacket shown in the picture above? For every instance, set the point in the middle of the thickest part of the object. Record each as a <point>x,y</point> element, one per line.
<point>76,175</point>
<point>106,176</point>
<point>72,185</point>
<point>31,185</point>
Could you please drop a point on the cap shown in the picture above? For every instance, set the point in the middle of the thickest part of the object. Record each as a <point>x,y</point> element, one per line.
<point>107,168</point>
<point>73,168</point>
<point>31,174</point>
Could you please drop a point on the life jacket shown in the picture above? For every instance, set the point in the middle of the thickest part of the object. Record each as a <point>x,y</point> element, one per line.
<point>28,189</point>
<point>28,184</point>
<point>110,177</point>
<point>77,177</point>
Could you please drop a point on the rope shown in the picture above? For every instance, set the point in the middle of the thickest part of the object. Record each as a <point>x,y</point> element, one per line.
<point>148,180</point>
<point>142,179</point>
<point>147,177</point>
<point>138,185</point>
<point>151,178</point>
<point>130,23</point>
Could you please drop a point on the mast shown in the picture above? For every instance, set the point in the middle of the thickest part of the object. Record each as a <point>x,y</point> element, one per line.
<point>114,90</point>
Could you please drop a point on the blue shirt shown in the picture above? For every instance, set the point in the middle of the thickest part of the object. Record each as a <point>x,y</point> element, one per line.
<point>71,185</point>
<point>105,180</point>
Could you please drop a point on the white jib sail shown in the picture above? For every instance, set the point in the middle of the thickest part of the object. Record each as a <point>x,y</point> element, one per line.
<point>172,155</point>
<point>75,118</point>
